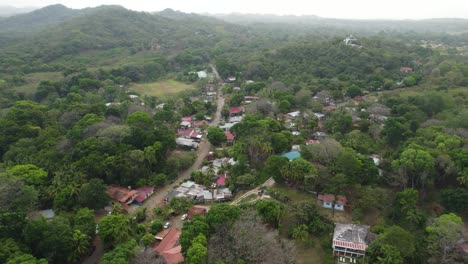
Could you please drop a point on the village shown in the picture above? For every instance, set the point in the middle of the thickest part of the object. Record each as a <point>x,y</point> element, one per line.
<point>349,240</point>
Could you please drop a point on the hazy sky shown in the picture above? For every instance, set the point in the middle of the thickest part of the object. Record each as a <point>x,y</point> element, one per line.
<point>362,9</point>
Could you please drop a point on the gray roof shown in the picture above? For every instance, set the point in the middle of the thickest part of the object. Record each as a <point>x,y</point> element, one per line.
<point>351,233</point>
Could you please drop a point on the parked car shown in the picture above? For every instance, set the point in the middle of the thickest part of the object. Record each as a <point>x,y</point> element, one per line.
<point>167,225</point>
<point>184,217</point>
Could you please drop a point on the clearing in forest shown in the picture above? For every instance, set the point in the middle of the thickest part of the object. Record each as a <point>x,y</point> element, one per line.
<point>161,88</point>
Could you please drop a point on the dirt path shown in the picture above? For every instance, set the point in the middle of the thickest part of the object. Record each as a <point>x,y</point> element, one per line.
<point>268,183</point>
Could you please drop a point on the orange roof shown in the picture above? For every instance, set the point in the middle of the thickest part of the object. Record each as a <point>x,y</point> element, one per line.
<point>330,198</point>
<point>120,194</point>
<point>162,234</point>
<point>169,248</point>
<point>198,210</point>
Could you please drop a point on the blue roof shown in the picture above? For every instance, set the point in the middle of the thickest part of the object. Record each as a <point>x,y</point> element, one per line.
<point>292,155</point>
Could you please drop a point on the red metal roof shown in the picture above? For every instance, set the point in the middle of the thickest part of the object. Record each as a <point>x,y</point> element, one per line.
<point>221,181</point>
<point>330,198</point>
<point>229,135</point>
<point>143,193</point>
<point>236,109</point>
<point>187,118</point>
<point>349,245</point>
<point>406,69</point>
<point>169,248</point>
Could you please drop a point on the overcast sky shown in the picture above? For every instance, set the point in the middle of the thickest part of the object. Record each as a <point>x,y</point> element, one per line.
<point>359,9</point>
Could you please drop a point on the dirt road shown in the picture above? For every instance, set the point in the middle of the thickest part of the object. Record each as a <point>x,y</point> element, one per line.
<point>203,149</point>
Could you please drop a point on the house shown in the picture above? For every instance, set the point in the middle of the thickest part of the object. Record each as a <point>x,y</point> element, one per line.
<point>350,242</point>
<point>186,142</point>
<point>121,194</point>
<point>169,248</point>
<point>236,119</point>
<point>294,114</point>
<point>319,116</point>
<point>351,41</point>
<point>144,193</point>
<point>187,119</point>
<point>319,135</point>
<point>197,210</point>
<point>236,111</point>
<point>189,133</point>
<point>185,124</point>
<point>221,182</point>
<point>199,124</point>
<point>331,201</point>
<point>202,74</point>
<point>311,142</point>
<point>227,126</point>
<point>406,69</point>
<point>329,108</point>
<point>229,136</point>
<point>222,194</point>
<point>231,79</point>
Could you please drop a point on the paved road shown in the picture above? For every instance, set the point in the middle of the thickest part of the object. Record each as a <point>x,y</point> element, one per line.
<point>203,149</point>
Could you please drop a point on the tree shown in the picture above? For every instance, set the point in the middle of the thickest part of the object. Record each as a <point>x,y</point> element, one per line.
<point>141,120</point>
<point>222,214</point>
<point>52,240</point>
<point>83,220</point>
<point>338,122</point>
<point>353,91</point>
<point>114,229</point>
<point>216,136</point>
<point>298,170</point>
<point>93,194</point>
<point>121,254</point>
<point>249,241</point>
<point>416,163</point>
<point>300,232</point>
<point>26,259</point>
<point>406,206</point>
<point>455,199</point>
<point>396,130</point>
<point>148,239</point>
<point>402,240</point>
<point>191,230</point>
<point>181,204</point>
<point>383,254</point>
<point>80,245</point>
<point>156,226</point>
<point>444,233</point>
<point>347,162</point>
<point>197,254</point>
<point>30,174</point>
<point>270,210</point>
<point>274,165</point>
<point>15,195</point>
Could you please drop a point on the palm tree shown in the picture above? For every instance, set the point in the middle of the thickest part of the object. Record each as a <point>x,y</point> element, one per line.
<point>300,232</point>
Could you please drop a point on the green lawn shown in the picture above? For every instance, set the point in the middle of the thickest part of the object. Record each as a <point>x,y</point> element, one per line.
<point>161,88</point>
<point>33,80</point>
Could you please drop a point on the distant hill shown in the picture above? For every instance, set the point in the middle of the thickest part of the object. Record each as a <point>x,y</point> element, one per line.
<point>38,19</point>
<point>6,11</point>
<point>447,25</point>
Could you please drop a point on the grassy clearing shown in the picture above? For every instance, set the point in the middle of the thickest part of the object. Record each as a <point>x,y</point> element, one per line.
<point>33,80</point>
<point>295,196</point>
<point>161,88</point>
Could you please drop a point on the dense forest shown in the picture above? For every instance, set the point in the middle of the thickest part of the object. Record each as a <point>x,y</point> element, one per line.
<point>71,125</point>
